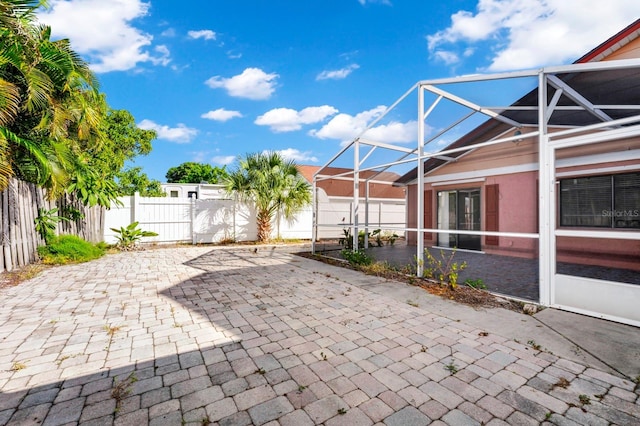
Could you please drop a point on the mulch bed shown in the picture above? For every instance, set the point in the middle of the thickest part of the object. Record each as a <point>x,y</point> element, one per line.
<point>461,294</point>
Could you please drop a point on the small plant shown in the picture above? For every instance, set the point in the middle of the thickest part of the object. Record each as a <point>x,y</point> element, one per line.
<point>379,269</point>
<point>477,284</point>
<point>342,411</point>
<point>584,399</point>
<point>359,257</point>
<point>129,236</point>
<point>46,223</point>
<point>412,303</point>
<point>260,371</point>
<point>444,269</point>
<point>122,389</point>
<point>561,383</point>
<point>17,366</point>
<point>205,421</point>
<point>423,348</point>
<point>346,240</point>
<point>112,329</point>
<point>69,249</point>
<point>301,388</point>
<point>548,415</point>
<point>451,367</point>
<point>534,345</point>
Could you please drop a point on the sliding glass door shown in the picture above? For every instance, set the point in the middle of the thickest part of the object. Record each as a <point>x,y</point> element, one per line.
<point>459,210</point>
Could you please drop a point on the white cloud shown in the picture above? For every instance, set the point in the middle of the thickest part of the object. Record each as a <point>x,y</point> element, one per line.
<point>449,58</point>
<point>178,134</point>
<point>346,127</point>
<point>103,32</point>
<point>532,33</point>
<point>253,83</point>
<point>164,57</point>
<point>364,2</point>
<point>221,114</point>
<point>288,120</point>
<point>296,155</point>
<point>223,160</point>
<point>169,32</point>
<point>337,74</point>
<point>205,34</point>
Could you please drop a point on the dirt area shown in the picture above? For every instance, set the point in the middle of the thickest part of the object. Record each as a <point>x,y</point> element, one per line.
<point>15,277</point>
<point>461,294</point>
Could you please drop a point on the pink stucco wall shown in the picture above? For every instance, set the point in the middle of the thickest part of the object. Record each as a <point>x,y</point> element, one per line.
<point>518,209</point>
<point>518,213</point>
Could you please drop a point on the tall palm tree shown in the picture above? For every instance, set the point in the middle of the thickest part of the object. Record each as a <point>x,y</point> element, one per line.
<point>273,184</point>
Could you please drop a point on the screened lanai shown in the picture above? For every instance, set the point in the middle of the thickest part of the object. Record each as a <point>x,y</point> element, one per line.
<point>548,181</point>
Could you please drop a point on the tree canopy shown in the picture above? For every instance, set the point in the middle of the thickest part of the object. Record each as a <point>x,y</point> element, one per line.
<point>192,172</point>
<point>56,129</point>
<point>132,180</point>
<point>274,184</point>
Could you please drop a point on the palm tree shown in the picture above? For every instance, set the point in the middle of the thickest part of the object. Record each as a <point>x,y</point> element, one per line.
<point>273,184</point>
<point>50,107</point>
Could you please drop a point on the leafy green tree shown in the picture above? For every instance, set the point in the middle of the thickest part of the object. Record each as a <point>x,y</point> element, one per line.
<point>133,180</point>
<point>273,184</point>
<point>49,101</point>
<point>123,140</point>
<point>56,129</point>
<point>191,172</point>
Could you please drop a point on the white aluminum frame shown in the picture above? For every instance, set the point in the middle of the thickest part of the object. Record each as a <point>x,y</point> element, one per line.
<point>548,144</point>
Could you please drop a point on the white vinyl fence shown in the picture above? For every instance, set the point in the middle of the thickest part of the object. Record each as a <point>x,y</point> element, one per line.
<point>214,221</point>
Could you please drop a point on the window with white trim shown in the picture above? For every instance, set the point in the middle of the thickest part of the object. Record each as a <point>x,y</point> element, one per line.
<point>611,201</point>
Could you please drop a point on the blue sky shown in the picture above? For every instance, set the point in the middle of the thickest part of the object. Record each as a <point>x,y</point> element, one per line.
<point>218,79</point>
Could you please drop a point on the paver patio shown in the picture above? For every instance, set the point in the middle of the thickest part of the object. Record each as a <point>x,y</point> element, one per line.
<point>233,337</point>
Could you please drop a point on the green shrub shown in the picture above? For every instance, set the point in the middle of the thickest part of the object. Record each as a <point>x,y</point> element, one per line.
<point>359,257</point>
<point>477,284</point>
<point>70,249</point>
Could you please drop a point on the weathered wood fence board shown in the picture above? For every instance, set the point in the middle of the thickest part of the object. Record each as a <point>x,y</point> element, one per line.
<point>19,205</point>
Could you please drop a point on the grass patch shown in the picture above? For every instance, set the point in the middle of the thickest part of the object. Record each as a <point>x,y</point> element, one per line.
<point>70,249</point>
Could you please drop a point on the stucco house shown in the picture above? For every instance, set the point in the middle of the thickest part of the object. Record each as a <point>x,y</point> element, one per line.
<point>199,191</point>
<point>495,188</point>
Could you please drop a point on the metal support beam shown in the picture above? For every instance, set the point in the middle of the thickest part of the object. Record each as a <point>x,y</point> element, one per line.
<point>471,105</point>
<point>546,248</point>
<point>356,192</point>
<point>572,94</point>
<point>420,194</point>
<point>314,215</point>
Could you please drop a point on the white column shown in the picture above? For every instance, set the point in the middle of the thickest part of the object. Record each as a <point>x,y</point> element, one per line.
<point>356,192</point>
<point>420,194</point>
<point>545,191</point>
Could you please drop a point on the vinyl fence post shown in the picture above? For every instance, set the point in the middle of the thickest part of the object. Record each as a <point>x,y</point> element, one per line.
<point>135,206</point>
<point>193,220</point>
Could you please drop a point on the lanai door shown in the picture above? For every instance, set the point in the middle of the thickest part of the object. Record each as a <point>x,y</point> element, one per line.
<point>459,210</point>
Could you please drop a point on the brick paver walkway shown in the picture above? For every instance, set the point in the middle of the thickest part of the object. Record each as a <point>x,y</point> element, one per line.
<point>228,336</point>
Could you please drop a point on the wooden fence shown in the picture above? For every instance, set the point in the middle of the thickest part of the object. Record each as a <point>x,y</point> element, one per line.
<point>19,205</point>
